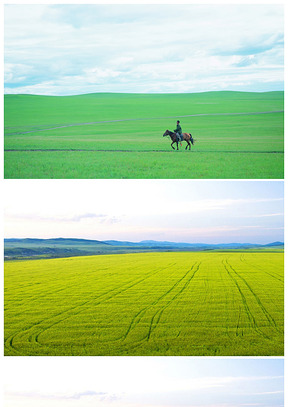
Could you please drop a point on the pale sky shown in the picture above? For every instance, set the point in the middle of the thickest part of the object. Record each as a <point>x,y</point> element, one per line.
<point>58,49</point>
<point>175,210</point>
<point>144,382</point>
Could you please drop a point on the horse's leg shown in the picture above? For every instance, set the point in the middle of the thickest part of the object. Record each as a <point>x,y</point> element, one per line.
<point>177,145</point>
<point>172,145</point>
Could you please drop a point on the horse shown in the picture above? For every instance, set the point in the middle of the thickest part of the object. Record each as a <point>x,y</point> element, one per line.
<point>186,137</point>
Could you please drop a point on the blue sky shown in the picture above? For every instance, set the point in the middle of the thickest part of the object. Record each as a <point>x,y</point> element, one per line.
<point>135,210</point>
<point>145,382</point>
<point>56,49</point>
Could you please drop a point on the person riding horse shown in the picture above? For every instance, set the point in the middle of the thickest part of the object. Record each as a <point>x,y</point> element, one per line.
<point>178,131</point>
<point>177,137</point>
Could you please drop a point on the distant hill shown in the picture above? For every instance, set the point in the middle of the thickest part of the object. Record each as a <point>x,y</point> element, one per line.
<point>69,247</point>
<point>274,244</point>
<point>58,240</point>
<point>198,246</point>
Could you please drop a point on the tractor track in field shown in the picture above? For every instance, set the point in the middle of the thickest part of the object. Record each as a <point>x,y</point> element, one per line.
<point>259,269</point>
<point>249,313</point>
<point>136,319</point>
<point>268,316</point>
<point>72,150</point>
<point>225,291</point>
<point>140,119</point>
<point>53,292</point>
<point>119,289</point>
<point>64,315</point>
<point>153,325</point>
<point>243,298</point>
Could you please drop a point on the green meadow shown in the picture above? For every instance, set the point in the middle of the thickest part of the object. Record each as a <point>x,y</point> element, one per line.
<point>199,303</point>
<point>238,135</point>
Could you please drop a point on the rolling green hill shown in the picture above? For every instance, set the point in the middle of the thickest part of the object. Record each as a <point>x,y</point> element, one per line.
<point>238,135</point>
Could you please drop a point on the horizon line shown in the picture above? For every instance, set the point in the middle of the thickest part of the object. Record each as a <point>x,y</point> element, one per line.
<point>141,93</point>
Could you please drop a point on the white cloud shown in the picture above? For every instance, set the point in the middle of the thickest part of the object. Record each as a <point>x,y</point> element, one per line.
<point>140,382</point>
<point>164,48</point>
<point>137,210</point>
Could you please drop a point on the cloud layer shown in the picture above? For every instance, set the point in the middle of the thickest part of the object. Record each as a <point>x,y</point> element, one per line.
<point>182,210</point>
<point>73,49</point>
<point>145,382</point>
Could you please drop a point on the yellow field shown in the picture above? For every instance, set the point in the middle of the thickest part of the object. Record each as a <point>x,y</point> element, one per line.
<point>146,304</point>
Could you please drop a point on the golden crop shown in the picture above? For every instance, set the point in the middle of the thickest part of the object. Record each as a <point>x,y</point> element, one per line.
<point>199,303</point>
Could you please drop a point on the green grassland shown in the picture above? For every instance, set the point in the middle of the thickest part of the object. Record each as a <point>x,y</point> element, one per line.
<point>120,136</point>
<point>200,303</point>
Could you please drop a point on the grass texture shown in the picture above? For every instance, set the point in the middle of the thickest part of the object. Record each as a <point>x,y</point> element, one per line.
<point>121,136</point>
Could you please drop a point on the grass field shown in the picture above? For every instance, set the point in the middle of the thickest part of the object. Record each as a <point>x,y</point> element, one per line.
<point>120,136</point>
<point>146,304</point>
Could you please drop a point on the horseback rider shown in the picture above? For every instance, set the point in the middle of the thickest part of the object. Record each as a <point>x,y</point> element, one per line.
<point>178,131</point>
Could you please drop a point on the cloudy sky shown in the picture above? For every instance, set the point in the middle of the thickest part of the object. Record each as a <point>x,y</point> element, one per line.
<point>135,210</point>
<point>63,49</point>
<point>144,382</point>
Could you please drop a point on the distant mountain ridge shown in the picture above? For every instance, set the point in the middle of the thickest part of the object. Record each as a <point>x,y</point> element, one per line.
<point>53,240</point>
<point>61,240</point>
<point>195,245</point>
<point>68,247</point>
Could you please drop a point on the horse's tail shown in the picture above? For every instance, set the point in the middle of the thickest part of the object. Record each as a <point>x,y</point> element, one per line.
<point>192,140</point>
